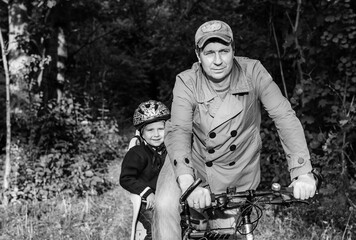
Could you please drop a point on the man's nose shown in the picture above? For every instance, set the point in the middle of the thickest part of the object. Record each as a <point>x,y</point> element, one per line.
<point>217,59</point>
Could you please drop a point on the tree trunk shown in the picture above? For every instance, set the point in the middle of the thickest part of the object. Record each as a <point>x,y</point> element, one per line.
<point>56,47</point>
<point>62,56</point>
<point>16,69</point>
<point>54,75</point>
<point>17,57</point>
<point>49,84</point>
<point>7,168</point>
<point>18,37</point>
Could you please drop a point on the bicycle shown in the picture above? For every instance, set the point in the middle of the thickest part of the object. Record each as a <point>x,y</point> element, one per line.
<point>247,202</point>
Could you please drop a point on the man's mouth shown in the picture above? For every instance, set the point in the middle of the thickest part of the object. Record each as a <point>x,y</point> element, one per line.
<point>218,70</point>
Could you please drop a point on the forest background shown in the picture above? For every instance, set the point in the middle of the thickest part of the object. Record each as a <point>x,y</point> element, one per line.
<point>75,70</point>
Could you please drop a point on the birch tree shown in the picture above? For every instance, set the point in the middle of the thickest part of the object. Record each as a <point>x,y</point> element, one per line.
<point>7,168</point>
<point>14,61</point>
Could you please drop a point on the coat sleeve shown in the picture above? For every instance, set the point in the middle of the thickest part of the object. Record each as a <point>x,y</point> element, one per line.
<point>131,168</point>
<point>288,126</point>
<point>178,132</point>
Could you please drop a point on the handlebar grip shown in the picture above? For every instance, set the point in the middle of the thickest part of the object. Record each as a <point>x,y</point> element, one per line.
<point>190,189</point>
<point>318,177</point>
<point>288,190</point>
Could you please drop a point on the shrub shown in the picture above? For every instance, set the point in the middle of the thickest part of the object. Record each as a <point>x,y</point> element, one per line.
<point>63,151</point>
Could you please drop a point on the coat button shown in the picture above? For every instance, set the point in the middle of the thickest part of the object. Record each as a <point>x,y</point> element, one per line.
<point>209,164</point>
<point>233,133</point>
<point>300,160</point>
<point>175,162</point>
<point>211,151</point>
<point>212,135</point>
<point>186,161</point>
<point>232,147</point>
<point>232,164</point>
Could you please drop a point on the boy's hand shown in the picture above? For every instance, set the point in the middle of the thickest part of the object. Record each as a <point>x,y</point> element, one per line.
<point>150,201</point>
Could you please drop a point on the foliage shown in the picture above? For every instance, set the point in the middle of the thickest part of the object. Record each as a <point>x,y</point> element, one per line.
<point>108,217</point>
<point>332,91</point>
<point>92,217</point>
<point>323,96</point>
<point>63,151</point>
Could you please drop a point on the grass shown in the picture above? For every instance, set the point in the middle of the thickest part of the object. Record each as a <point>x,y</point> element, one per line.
<point>292,227</point>
<point>108,217</point>
<point>94,217</point>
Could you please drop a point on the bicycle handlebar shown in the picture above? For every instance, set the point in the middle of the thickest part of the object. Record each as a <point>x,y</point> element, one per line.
<point>282,196</point>
<point>246,201</point>
<point>254,193</point>
<point>276,190</point>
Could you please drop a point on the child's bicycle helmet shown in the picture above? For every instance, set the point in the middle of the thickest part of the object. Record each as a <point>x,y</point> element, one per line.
<point>149,112</point>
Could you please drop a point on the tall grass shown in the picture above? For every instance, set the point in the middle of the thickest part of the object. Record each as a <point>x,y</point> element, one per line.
<point>108,217</point>
<point>93,217</point>
<point>289,226</point>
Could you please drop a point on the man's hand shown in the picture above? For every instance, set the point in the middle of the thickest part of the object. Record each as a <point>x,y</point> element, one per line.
<point>150,201</point>
<point>199,198</point>
<point>304,186</point>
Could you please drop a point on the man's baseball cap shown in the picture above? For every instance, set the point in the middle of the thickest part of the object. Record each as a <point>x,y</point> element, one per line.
<point>213,29</point>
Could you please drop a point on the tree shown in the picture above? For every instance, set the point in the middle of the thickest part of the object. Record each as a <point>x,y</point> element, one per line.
<point>7,167</point>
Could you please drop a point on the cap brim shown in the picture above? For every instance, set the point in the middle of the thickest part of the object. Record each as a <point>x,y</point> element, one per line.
<point>225,38</point>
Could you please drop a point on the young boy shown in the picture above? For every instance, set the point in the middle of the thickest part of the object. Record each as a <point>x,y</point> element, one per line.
<point>142,163</point>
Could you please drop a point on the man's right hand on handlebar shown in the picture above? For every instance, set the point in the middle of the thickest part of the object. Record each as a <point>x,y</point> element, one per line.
<point>200,197</point>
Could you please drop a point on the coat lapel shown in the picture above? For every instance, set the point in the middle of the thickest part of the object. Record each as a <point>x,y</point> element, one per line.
<point>230,107</point>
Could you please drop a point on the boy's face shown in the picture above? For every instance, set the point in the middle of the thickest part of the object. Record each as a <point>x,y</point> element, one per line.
<point>153,133</point>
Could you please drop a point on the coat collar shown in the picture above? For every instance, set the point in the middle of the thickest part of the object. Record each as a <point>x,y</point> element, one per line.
<point>239,82</point>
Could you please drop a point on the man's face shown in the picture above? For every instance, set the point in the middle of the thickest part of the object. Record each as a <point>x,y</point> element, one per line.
<point>216,60</point>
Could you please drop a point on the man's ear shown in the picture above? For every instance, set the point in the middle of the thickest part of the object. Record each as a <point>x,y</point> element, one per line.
<point>197,53</point>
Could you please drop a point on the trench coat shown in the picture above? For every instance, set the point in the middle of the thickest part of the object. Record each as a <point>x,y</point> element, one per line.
<point>219,140</point>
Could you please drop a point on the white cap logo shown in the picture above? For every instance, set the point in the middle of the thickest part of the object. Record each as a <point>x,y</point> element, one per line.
<point>211,27</point>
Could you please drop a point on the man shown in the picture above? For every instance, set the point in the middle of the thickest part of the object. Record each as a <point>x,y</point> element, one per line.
<point>214,131</point>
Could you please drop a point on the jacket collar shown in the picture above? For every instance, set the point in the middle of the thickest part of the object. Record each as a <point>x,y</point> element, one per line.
<point>239,82</point>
